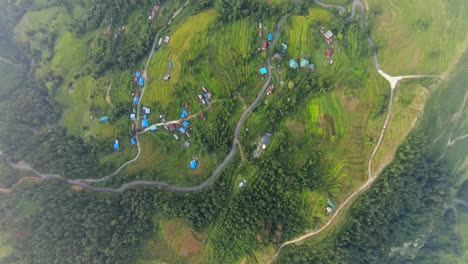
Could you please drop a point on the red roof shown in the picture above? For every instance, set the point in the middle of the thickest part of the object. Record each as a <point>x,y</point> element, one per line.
<point>265,44</point>
<point>172,127</point>
<point>329,52</point>
<point>270,89</point>
<point>260,32</point>
<point>329,41</point>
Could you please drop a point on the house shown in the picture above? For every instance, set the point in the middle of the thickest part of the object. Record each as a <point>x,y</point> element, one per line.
<point>260,25</point>
<point>193,164</point>
<point>328,37</point>
<point>138,74</point>
<point>160,41</point>
<point>144,123</point>
<point>133,126</point>
<point>172,127</point>
<point>284,47</point>
<point>270,37</point>
<point>265,140</point>
<point>329,53</point>
<point>169,64</point>
<point>187,144</point>
<point>187,134</point>
<point>153,128</point>
<point>304,62</point>
<point>264,45</point>
<point>242,183</point>
<point>204,89</point>
<point>311,67</point>
<point>104,118</point>
<point>263,71</point>
<point>176,136</point>
<point>166,39</point>
<point>166,77</point>
<point>132,116</point>
<point>182,130</point>
<point>270,90</point>
<point>133,141</point>
<point>147,110</point>
<point>293,63</point>
<point>260,33</point>
<point>135,100</point>
<point>185,123</point>
<point>141,81</point>
<point>116,144</point>
<point>331,204</point>
<point>185,113</point>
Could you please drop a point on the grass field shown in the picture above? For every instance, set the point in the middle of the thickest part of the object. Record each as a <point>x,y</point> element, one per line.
<point>420,36</point>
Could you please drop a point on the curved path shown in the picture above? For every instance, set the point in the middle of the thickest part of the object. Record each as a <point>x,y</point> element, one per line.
<point>220,167</point>
<point>213,176</point>
<point>393,83</point>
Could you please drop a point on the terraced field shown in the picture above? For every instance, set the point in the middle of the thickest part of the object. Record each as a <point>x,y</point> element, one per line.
<point>175,242</point>
<point>202,53</point>
<point>420,36</point>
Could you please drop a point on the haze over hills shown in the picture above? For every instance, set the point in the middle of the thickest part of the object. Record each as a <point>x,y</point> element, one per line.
<point>223,131</point>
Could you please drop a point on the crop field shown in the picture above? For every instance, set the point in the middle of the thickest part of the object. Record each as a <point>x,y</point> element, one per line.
<point>420,36</point>
<point>174,242</point>
<point>202,53</point>
<point>302,41</point>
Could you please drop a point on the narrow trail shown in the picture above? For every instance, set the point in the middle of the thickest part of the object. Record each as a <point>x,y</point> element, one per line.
<point>393,80</point>
<point>108,97</point>
<point>9,62</point>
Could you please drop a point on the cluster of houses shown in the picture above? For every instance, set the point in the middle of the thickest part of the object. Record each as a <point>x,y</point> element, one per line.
<point>304,63</point>
<point>108,31</point>
<point>265,43</point>
<point>153,12</point>
<point>328,36</point>
<point>205,98</point>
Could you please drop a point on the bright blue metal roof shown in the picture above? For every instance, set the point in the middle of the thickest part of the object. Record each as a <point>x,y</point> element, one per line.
<point>270,36</point>
<point>186,123</point>
<point>135,100</point>
<point>133,140</point>
<point>104,118</point>
<point>138,74</point>
<point>182,129</point>
<point>169,64</point>
<point>153,127</point>
<point>193,164</point>
<point>331,204</point>
<point>263,70</point>
<point>141,81</point>
<point>185,112</point>
<point>116,144</point>
<point>144,123</point>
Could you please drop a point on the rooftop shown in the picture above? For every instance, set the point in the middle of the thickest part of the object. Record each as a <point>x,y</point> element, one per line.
<point>293,63</point>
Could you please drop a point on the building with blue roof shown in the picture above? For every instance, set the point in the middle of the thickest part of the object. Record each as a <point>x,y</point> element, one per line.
<point>284,47</point>
<point>153,128</point>
<point>135,100</point>
<point>185,112</point>
<point>104,118</point>
<point>182,130</point>
<point>193,164</point>
<point>133,140</point>
<point>304,62</point>
<point>138,74</point>
<point>270,37</point>
<point>141,81</point>
<point>132,116</point>
<point>116,144</point>
<point>144,123</point>
<point>169,64</point>
<point>182,116</point>
<point>331,204</point>
<point>263,71</point>
<point>186,123</point>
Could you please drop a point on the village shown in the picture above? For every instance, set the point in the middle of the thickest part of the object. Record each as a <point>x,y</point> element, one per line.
<point>180,128</point>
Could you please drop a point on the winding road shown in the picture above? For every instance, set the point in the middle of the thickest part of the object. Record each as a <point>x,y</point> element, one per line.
<point>393,80</point>
<point>216,172</point>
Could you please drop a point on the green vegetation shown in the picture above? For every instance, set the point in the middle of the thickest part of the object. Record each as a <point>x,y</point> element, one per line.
<point>419,36</point>
<point>408,202</point>
<point>77,64</point>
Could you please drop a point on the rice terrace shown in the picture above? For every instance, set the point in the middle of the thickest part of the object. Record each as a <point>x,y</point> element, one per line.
<point>246,131</point>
